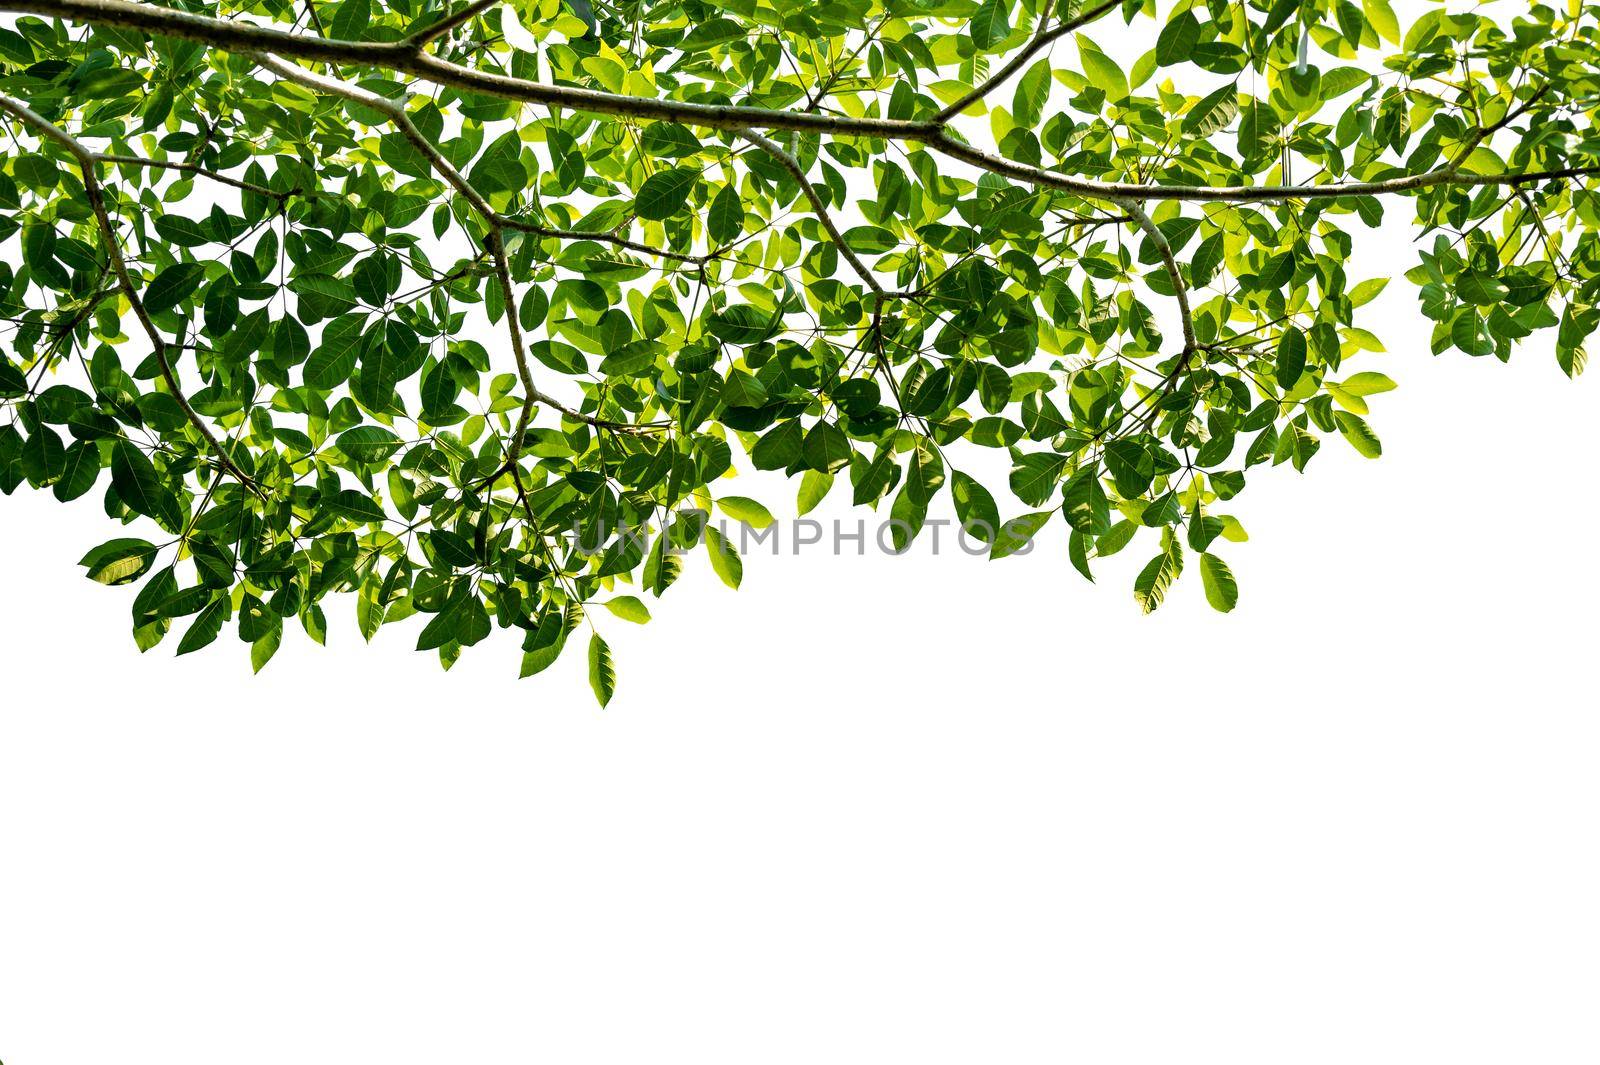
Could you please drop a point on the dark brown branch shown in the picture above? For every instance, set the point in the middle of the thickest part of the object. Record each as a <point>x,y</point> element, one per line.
<point>245,37</point>
<point>428,34</point>
<point>316,20</point>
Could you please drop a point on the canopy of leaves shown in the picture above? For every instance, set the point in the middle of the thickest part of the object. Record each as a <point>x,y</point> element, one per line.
<point>423,301</point>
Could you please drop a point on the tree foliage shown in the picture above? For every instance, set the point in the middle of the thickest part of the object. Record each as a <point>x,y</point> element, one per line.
<point>407,299</point>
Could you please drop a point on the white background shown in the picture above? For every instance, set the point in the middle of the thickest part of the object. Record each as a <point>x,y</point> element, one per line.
<point>866,809</point>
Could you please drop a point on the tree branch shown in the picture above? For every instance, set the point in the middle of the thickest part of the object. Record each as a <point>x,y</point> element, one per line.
<point>493,241</point>
<point>1190,344</point>
<point>391,109</point>
<point>234,36</point>
<point>428,34</point>
<point>525,226</point>
<point>1488,131</point>
<point>1125,192</point>
<point>316,20</point>
<point>396,113</point>
<point>241,37</point>
<point>87,161</point>
<point>792,165</point>
<point>192,168</point>
<point>1042,39</point>
<point>1152,231</point>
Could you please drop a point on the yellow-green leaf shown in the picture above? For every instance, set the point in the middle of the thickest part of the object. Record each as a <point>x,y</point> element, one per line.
<point>602,674</point>
<point>1222,592</point>
<point>1383,20</point>
<point>628,608</point>
<point>741,508</point>
<point>1101,70</point>
<point>725,559</point>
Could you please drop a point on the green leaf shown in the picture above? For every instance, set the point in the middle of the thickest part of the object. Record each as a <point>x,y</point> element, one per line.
<point>907,516</point>
<point>1359,433</point>
<point>463,620</point>
<point>743,390</point>
<point>725,220</point>
<point>174,285</point>
<point>739,508</point>
<point>742,325</point>
<point>1383,20</point>
<point>1368,290</point>
<point>134,478</point>
<point>924,474</point>
<point>184,232</point>
<point>1101,70</point>
<point>826,448</point>
<point>1085,504</point>
<point>725,560</point>
<point>1291,357</point>
<point>665,193</point>
<point>1033,90</point>
<point>1017,535</point>
<point>545,643</point>
<point>1482,289</point>
<point>265,646</point>
<point>990,24</point>
<point>356,505</point>
<point>975,508</point>
<point>43,456</point>
<point>330,366</point>
<point>1367,383</point>
<point>350,18</point>
<point>119,561</point>
<point>1222,592</point>
<point>1572,360</point>
<point>1178,38</point>
<point>1212,113</point>
<point>205,627</point>
<point>1150,587</point>
<point>668,140</point>
<point>814,487</point>
<point>80,470</point>
<point>629,608</point>
<point>1115,539</point>
<point>500,167</point>
<point>368,445</point>
<point>602,674</point>
<point>779,448</point>
<point>712,33</point>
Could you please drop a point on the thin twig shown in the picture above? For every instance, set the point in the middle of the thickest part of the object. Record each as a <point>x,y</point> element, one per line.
<point>1186,317</point>
<point>1042,39</point>
<point>792,165</point>
<point>192,168</point>
<point>428,34</point>
<point>525,226</point>
<point>92,192</point>
<point>1142,219</point>
<point>494,240</point>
